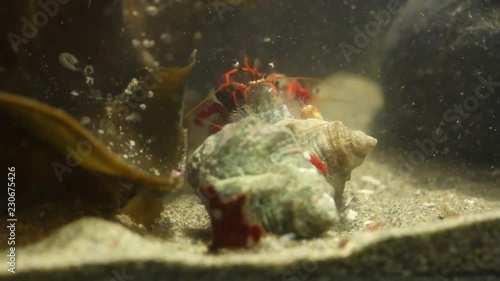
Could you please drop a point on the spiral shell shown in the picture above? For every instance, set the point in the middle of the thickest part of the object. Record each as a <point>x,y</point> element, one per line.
<point>265,156</point>
<point>340,148</point>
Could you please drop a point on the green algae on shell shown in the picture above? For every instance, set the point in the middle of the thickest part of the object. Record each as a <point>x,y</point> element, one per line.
<point>285,193</point>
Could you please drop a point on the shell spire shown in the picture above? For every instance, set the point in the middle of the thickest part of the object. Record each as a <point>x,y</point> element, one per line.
<point>340,148</point>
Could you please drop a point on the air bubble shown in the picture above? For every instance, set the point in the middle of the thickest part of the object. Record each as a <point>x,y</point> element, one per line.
<point>68,61</point>
<point>85,120</point>
<point>166,38</point>
<point>136,43</point>
<point>89,81</point>
<point>148,43</point>
<point>151,10</point>
<point>89,69</point>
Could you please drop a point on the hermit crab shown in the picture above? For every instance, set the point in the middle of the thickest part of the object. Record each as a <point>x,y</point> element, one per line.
<point>243,80</point>
<point>287,173</point>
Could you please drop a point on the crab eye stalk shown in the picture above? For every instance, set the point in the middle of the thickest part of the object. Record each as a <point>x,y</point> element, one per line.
<point>235,63</point>
<point>270,70</point>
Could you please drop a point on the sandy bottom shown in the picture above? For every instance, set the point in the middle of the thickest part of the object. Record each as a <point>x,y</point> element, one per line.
<point>376,198</point>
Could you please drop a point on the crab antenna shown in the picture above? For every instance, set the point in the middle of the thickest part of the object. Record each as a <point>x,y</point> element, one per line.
<point>245,62</point>
<point>213,124</point>
<point>300,78</point>
<point>202,102</point>
<point>256,63</point>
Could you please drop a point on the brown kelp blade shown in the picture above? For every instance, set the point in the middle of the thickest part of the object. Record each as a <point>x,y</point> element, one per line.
<point>64,134</point>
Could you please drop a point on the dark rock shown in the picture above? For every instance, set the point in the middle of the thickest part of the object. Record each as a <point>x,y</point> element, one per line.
<point>436,60</point>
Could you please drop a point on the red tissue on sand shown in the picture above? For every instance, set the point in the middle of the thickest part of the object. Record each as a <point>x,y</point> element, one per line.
<point>230,227</point>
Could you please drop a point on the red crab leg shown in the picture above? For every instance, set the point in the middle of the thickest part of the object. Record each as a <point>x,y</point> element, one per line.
<point>297,92</point>
<point>212,108</point>
<point>227,75</point>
